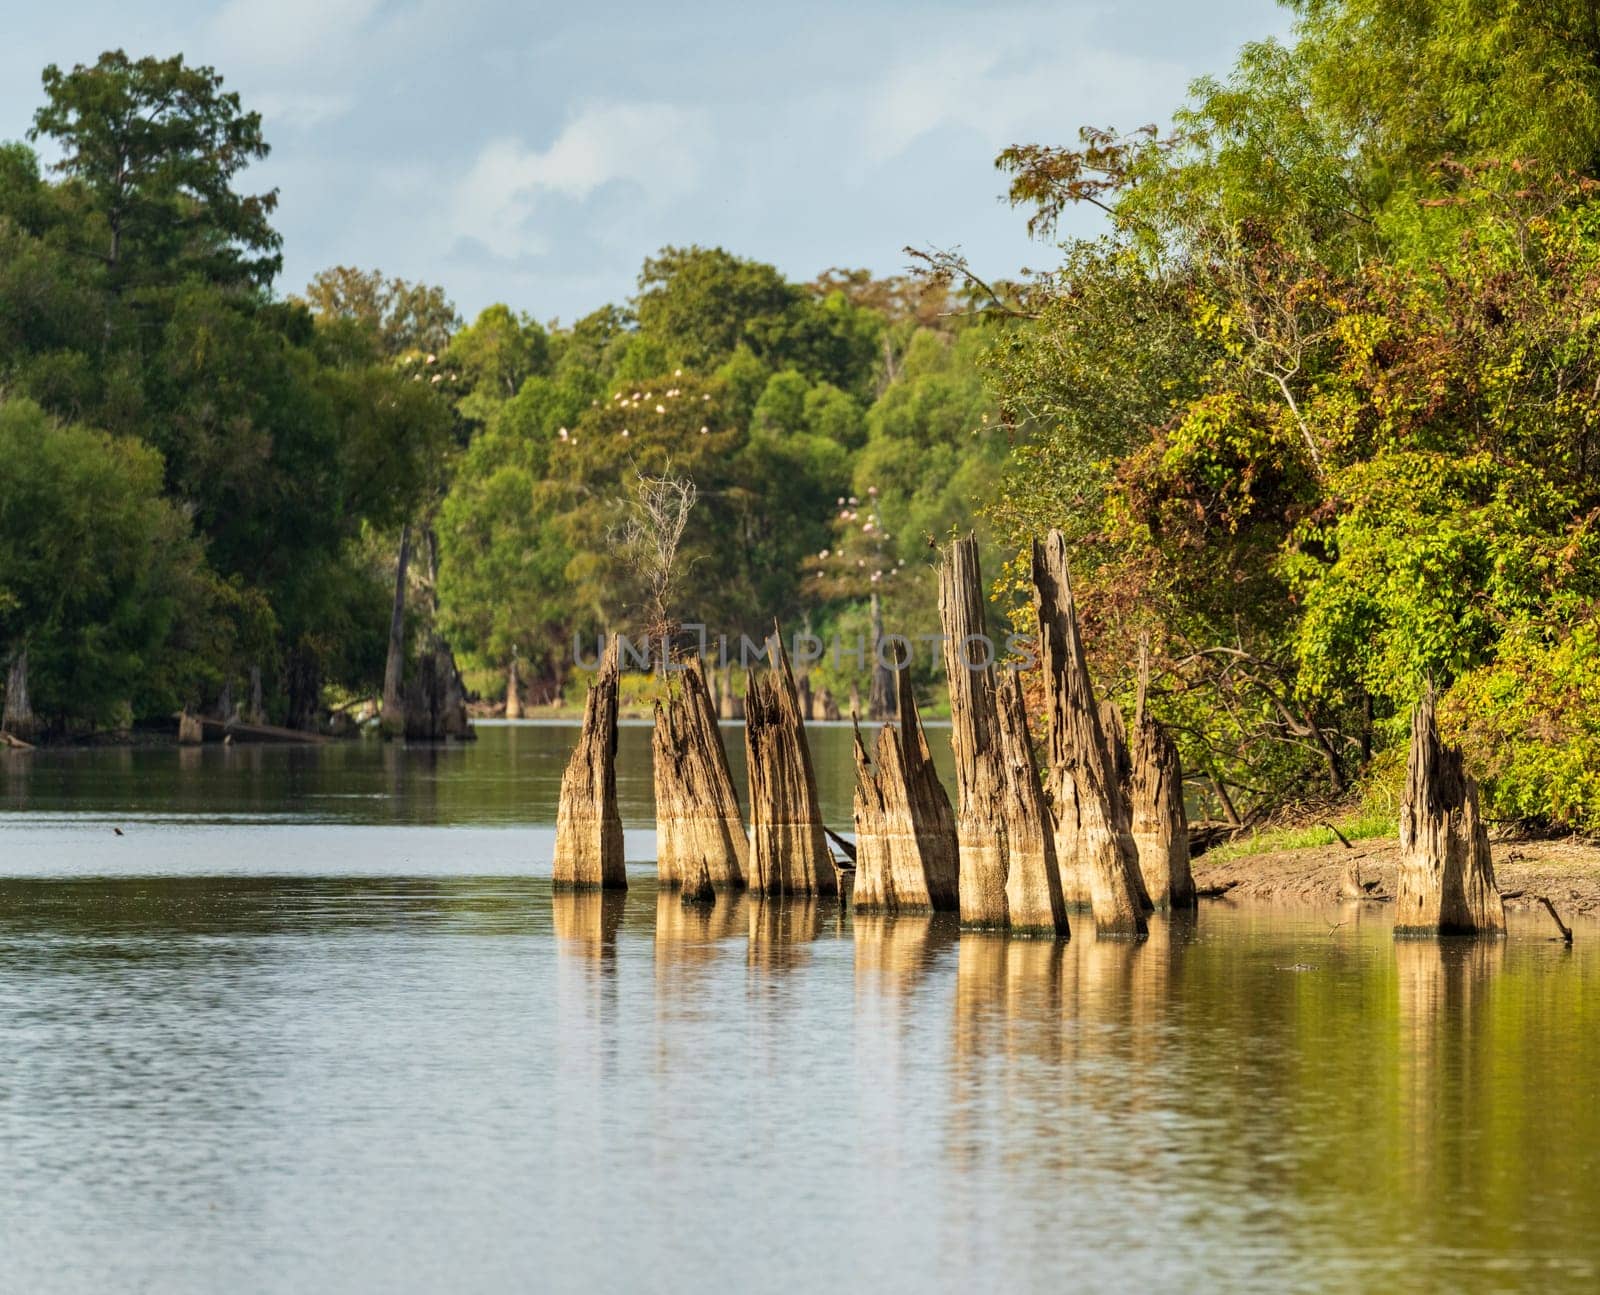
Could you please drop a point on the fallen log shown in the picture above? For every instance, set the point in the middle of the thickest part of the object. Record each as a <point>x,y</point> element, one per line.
<point>1446,876</point>
<point>788,849</point>
<point>1566,931</point>
<point>1094,868</point>
<point>588,852</point>
<point>699,826</point>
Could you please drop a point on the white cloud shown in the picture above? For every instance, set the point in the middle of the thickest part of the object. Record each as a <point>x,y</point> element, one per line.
<point>654,147</point>
<point>1009,88</point>
<point>287,33</point>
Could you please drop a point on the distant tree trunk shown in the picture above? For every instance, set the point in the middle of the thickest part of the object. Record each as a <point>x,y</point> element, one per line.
<point>305,689</point>
<point>1446,877</point>
<point>435,702</point>
<point>589,851</point>
<point>1091,858</point>
<point>788,849</point>
<point>257,713</point>
<point>18,718</point>
<point>513,697</point>
<point>699,829</point>
<point>880,699</point>
<point>855,698</point>
<point>803,695</point>
<point>393,718</point>
<point>906,855</point>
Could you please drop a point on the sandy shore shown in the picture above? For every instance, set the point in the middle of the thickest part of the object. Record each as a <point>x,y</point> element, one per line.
<point>1568,872</point>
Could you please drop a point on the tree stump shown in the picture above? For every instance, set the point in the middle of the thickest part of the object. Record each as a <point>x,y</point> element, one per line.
<point>1160,826</point>
<point>698,824</point>
<point>788,850</point>
<point>588,827</point>
<point>1446,879</point>
<point>1119,763</point>
<point>1088,852</point>
<point>1000,823</point>
<point>190,732</point>
<point>906,858</point>
<point>1034,902</point>
<point>513,693</point>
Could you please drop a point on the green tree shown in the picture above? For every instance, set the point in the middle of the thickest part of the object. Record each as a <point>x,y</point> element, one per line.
<point>101,587</point>
<point>155,145</point>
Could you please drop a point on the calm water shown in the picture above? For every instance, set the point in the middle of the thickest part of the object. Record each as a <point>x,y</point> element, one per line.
<point>316,1023</point>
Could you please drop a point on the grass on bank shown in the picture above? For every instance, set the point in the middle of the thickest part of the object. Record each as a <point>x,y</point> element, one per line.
<point>1359,825</point>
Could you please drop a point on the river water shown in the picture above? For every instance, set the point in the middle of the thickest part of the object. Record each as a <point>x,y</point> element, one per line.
<point>315,1022</point>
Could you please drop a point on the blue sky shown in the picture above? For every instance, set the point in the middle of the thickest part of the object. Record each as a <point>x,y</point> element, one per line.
<point>536,154</point>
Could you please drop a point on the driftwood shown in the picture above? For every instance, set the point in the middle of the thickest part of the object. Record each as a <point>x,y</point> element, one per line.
<point>1000,824</point>
<point>588,827</point>
<point>1160,829</point>
<point>1566,931</point>
<point>905,853</point>
<point>698,824</point>
<point>13,742</point>
<point>1446,883</point>
<point>1094,867</point>
<point>788,850</point>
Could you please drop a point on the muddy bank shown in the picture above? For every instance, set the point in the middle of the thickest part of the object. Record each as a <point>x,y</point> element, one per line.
<point>1567,871</point>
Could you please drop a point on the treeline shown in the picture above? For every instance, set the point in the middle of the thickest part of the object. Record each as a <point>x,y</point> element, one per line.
<point>1320,412</point>
<point>207,485</point>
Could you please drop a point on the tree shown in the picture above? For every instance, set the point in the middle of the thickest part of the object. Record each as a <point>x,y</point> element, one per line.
<point>155,145</point>
<point>104,597</point>
<point>395,315</point>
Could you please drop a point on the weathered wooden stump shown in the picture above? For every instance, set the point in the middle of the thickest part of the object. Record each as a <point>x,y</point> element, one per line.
<point>1160,826</point>
<point>906,857</point>
<point>1034,902</point>
<point>1001,827</point>
<point>698,823</point>
<point>18,718</point>
<point>588,827</point>
<point>823,707</point>
<point>1091,857</point>
<point>190,732</point>
<point>1446,880</point>
<point>513,693</point>
<point>1119,763</point>
<point>788,850</point>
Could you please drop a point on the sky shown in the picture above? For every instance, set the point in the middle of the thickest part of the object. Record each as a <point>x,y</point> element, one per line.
<point>536,154</point>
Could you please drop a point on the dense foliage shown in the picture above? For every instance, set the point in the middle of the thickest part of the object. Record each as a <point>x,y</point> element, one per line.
<point>1320,411</point>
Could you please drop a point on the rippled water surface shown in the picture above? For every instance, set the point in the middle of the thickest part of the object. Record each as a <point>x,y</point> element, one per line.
<point>315,1022</point>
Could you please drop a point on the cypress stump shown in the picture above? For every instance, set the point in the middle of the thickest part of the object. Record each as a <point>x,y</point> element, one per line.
<point>1000,825</point>
<point>1160,827</point>
<point>588,826</point>
<point>788,850</point>
<point>699,828</point>
<point>906,859</point>
<point>1094,869</point>
<point>1446,880</point>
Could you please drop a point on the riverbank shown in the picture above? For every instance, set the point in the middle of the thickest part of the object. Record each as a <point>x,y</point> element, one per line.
<point>1567,871</point>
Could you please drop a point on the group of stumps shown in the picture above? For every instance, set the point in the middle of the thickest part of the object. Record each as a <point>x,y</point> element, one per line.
<point>1110,837</point>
